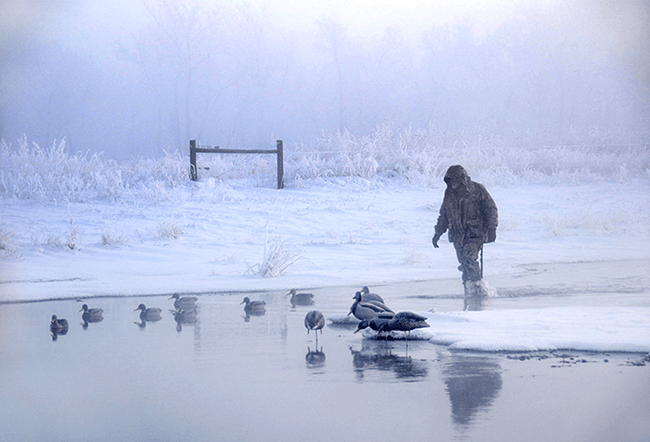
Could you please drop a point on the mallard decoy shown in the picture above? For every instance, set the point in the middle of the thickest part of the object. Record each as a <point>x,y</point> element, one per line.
<point>91,314</point>
<point>58,325</point>
<point>358,296</point>
<point>185,303</point>
<point>314,320</point>
<point>366,296</point>
<point>374,323</point>
<point>404,321</point>
<point>301,298</point>
<point>253,307</point>
<point>151,314</point>
<point>367,310</point>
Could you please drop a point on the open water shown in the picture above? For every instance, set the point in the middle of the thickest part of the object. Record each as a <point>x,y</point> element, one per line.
<point>233,377</point>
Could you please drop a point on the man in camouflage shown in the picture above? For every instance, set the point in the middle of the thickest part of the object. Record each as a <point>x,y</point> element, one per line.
<point>470,214</point>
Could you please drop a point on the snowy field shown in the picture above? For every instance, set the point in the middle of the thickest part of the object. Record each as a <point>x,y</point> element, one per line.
<point>77,226</point>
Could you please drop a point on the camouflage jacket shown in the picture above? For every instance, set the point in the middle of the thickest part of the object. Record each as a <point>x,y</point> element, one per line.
<point>468,211</point>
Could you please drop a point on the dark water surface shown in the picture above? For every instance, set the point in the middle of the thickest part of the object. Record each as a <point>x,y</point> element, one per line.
<point>229,377</point>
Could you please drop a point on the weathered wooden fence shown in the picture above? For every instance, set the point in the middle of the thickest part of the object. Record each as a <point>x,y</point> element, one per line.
<point>279,151</point>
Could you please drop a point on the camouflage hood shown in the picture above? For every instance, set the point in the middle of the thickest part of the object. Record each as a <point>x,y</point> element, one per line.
<point>457,173</point>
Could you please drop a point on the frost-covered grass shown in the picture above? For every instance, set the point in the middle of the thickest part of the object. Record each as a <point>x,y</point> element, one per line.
<point>418,157</point>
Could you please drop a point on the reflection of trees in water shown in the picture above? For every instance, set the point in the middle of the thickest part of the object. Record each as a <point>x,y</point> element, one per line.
<point>377,355</point>
<point>473,382</point>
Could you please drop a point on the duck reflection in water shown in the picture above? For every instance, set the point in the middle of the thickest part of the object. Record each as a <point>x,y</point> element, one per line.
<point>58,327</point>
<point>315,359</point>
<point>376,355</point>
<point>473,383</point>
<point>183,317</point>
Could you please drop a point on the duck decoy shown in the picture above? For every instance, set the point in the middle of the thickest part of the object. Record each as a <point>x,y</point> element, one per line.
<point>58,325</point>
<point>151,314</point>
<point>185,303</point>
<point>314,320</point>
<point>367,310</point>
<point>253,307</point>
<point>405,322</point>
<point>366,296</point>
<point>358,296</point>
<point>91,314</point>
<point>374,323</point>
<point>301,298</point>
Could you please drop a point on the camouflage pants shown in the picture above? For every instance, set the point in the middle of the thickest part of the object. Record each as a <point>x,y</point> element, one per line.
<point>467,253</point>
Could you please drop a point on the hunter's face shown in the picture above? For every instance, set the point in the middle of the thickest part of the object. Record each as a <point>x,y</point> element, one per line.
<point>454,183</point>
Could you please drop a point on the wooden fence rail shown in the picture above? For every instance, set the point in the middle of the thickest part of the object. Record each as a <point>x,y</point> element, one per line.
<point>279,151</point>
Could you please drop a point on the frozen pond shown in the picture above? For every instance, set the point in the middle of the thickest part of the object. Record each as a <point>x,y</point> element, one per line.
<point>262,378</point>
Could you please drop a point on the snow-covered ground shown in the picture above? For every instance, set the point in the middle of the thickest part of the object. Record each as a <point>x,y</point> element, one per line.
<point>216,237</point>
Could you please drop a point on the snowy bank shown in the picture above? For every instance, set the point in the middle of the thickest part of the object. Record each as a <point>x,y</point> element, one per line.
<point>600,329</point>
<point>211,237</point>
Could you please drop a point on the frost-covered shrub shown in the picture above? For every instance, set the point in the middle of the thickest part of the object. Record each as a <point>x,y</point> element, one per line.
<point>48,174</point>
<point>416,156</point>
<point>277,258</point>
<point>169,230</point>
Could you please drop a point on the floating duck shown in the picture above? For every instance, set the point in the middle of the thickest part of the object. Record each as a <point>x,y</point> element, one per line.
<point>253,307</point>
<point>185,303</point>
<point>151,314</point>
<point>91,314</point>
<point>58,325</point>
<point>301,298</point>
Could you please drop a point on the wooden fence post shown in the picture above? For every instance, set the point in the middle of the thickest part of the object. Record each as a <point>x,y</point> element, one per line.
<point>280,154</point>
<point>193,171</point>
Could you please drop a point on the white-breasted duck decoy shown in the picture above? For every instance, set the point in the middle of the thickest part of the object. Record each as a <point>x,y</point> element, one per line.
<point>301,298</point>
<point>151,314</point>
<point>253,307</point>
<point>405,322</point>
<point>367,310</point>
<point>185,303</point>
<point>314,320</point>
<point>374,323</point>
<point>367,296</point>
<point>91,314</point>
<point>58,325</point>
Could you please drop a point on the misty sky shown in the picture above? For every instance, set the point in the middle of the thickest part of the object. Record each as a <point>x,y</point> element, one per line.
<point>138,77</point>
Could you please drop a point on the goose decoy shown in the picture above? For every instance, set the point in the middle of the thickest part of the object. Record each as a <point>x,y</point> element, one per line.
<point>404,321</point>
<point>366,296</point>
<point>374,323</point>
<point>151,314</point>
<point>314,320</point>
<point>367,310</point>
<point>301,298</point>
<point>59,326</point>
<point>253,307</point>
<point>91,314</point>
<point>185,303</point>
